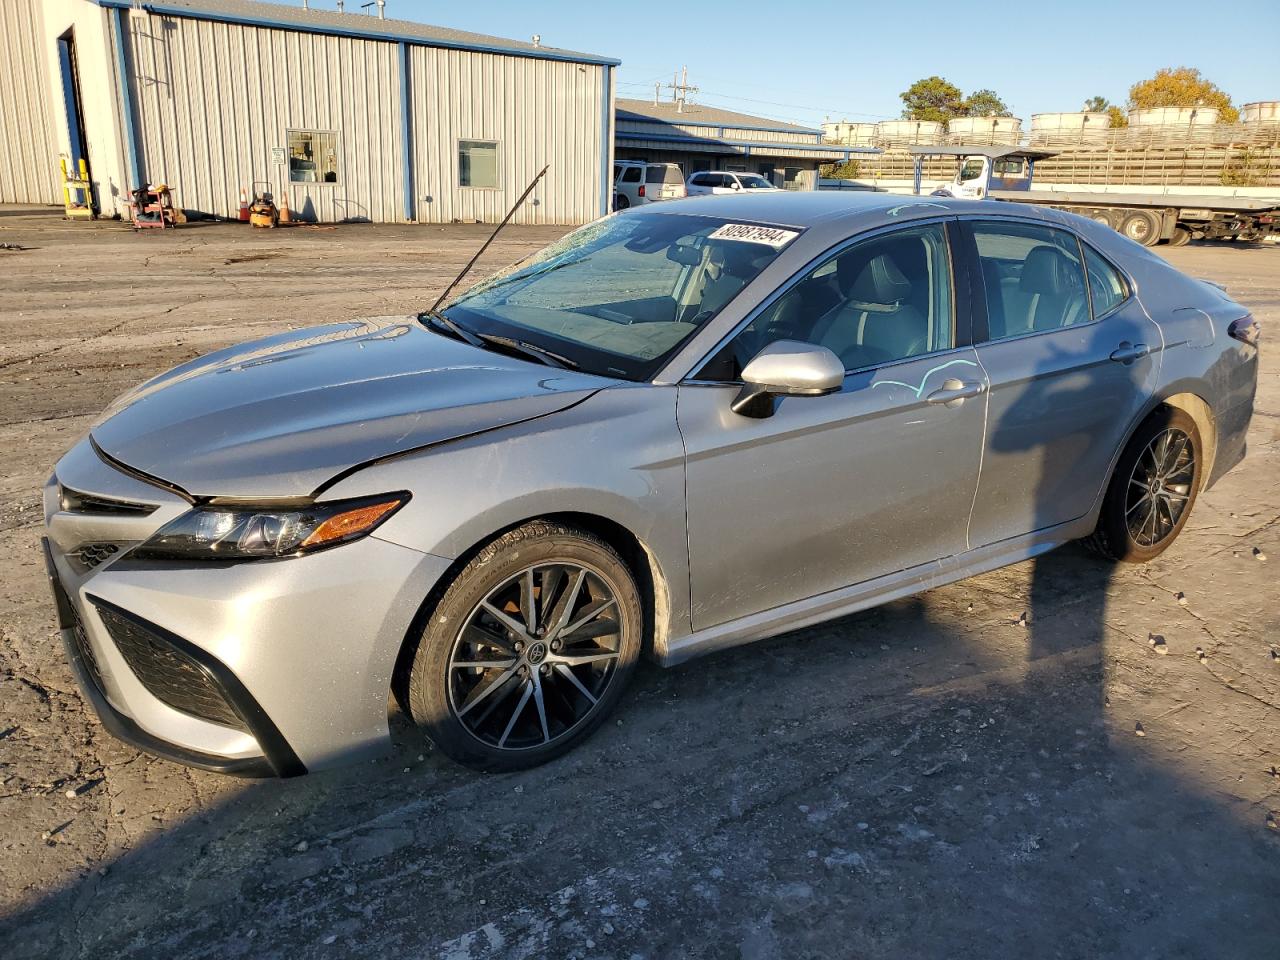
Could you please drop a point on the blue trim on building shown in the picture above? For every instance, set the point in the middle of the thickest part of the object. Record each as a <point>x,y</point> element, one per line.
<point>161,9</point>
<point>779,148</point>
<point>406,141</point>
<point>606,142</point>
<point>126,99</point>
<point>646,118</point>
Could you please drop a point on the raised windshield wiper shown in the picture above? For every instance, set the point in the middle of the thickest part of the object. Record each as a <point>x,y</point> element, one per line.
<point>438,320</point>
<point>542,354</point>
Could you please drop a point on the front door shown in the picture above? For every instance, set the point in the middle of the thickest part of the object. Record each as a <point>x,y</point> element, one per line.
<point>832,491</point>
<point>1071,358</point>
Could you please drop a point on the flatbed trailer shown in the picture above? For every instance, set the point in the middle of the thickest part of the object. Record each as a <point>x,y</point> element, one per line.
<point>1006,172</point>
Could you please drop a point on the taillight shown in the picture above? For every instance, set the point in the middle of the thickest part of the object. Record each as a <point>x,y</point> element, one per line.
<point>1246,330</point>
<point>640,192</point>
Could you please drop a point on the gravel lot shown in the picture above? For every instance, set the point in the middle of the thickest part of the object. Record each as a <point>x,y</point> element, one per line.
<point>932,778</point>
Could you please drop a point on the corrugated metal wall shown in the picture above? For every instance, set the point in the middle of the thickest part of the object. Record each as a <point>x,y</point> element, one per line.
<point>540,112</point>
<point>214,98</point>
<point>28,150</point>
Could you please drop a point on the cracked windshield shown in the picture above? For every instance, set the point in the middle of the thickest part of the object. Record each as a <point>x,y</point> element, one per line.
<point>620,295</point>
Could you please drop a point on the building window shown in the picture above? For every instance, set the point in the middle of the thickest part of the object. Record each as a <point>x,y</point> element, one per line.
<point>478,164</point>
<point>313,156</point>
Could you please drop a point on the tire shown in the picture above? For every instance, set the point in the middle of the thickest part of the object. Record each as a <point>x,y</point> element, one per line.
<point>622,202</point>
<point>528,705</point>
<point>1104,217</point>
<point>1177,475</point>
<point>1181,237</point>
<point>1141,226</point>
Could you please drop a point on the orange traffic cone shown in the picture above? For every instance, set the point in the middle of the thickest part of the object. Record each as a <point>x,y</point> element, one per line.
<point>286,215</point>
<point>244,205</point>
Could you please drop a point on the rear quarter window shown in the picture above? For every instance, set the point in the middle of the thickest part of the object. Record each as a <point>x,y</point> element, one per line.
<point>1106,285</point>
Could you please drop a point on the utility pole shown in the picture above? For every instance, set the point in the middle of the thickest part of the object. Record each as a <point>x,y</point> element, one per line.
<point>680,88</point>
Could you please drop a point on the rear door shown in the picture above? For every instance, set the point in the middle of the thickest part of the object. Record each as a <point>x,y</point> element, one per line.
<point>1072,361</point>
<point>663,181</point>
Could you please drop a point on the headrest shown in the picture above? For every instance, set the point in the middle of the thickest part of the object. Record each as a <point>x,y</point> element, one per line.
<point>739,259</point>
<point>1048,270</point>
<point>878,281</point>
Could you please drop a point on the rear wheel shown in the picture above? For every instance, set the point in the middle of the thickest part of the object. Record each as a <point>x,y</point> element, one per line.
<point>1141,226</point>
<point>528,650</point>
<point>1104,216</point>
<point>1181,237</point>
<point>1152,490</point>
<point>622,202</point>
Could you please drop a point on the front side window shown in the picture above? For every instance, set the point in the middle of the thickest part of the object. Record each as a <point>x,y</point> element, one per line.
<point>1032,278</point>
<point>478,164</point>
<point>1106,286</point>
<point>313,156</point>
<point>619,296</point>
<point>752,182</point>
<point>884,299</point>
<point>971,170</point>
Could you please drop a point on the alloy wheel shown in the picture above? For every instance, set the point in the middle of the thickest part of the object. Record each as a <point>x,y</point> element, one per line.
<point>1160,487</point>
<point>535,656</point>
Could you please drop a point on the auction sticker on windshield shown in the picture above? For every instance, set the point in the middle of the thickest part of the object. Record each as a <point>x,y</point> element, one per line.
<point>775,237</point>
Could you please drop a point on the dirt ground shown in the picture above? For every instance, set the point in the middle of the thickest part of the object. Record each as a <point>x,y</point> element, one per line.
<point>932,778</point>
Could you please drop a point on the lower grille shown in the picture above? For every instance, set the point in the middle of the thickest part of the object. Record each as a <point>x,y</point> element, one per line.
<point>92,554</point>
<point>169,674</point>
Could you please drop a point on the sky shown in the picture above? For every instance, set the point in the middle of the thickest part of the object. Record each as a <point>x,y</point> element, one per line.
<point>805,63</point>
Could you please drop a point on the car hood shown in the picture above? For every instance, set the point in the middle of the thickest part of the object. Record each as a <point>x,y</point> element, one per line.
<point>279,417</point>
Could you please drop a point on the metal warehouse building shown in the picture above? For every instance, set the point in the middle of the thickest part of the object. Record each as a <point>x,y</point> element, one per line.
<point>357,117</point>
<point>698,137</point>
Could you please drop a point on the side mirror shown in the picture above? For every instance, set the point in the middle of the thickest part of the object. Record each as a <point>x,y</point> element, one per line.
<point>787,368</point>
<point>737,185</point>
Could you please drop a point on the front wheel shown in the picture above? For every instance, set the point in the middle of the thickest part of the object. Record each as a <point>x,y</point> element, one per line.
<point>528,650</point>
<point>1152,490</point>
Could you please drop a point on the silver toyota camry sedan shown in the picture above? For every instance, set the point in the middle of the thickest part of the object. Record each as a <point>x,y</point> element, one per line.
<point>680,428</point>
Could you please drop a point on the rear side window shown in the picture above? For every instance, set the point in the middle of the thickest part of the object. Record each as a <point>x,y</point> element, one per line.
<point>1106,286</point>
<point>702,180</point>
<point>631,175</point>
<point>1032,276</point>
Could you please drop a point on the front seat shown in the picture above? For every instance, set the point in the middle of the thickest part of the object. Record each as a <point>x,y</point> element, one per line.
<point>875,324</point>
<point>1050,281</point>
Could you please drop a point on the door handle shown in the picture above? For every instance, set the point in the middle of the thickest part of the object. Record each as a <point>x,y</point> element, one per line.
<point>954,392</point>
<point>1128,352</point>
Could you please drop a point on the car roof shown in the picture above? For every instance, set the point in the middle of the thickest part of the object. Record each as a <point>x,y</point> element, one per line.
<point>807,208</point>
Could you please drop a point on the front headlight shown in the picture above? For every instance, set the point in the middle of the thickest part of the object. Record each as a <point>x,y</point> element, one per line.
<point>235,532</point>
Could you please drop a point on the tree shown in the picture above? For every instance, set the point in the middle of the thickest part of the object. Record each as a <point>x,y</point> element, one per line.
<point>840,171</point>
<point>932,98</point>
<point>1118,117</point>
<point>984,103</point>
<point>1096,105</point>
<point>1181,87</point>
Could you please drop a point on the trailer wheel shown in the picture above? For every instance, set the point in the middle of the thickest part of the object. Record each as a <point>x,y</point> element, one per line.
<point>1104,217</point>
<point>1181,237</point>
<point>1141,226</point>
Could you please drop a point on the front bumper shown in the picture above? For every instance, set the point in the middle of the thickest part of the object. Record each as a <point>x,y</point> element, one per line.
<point>298,652</point>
